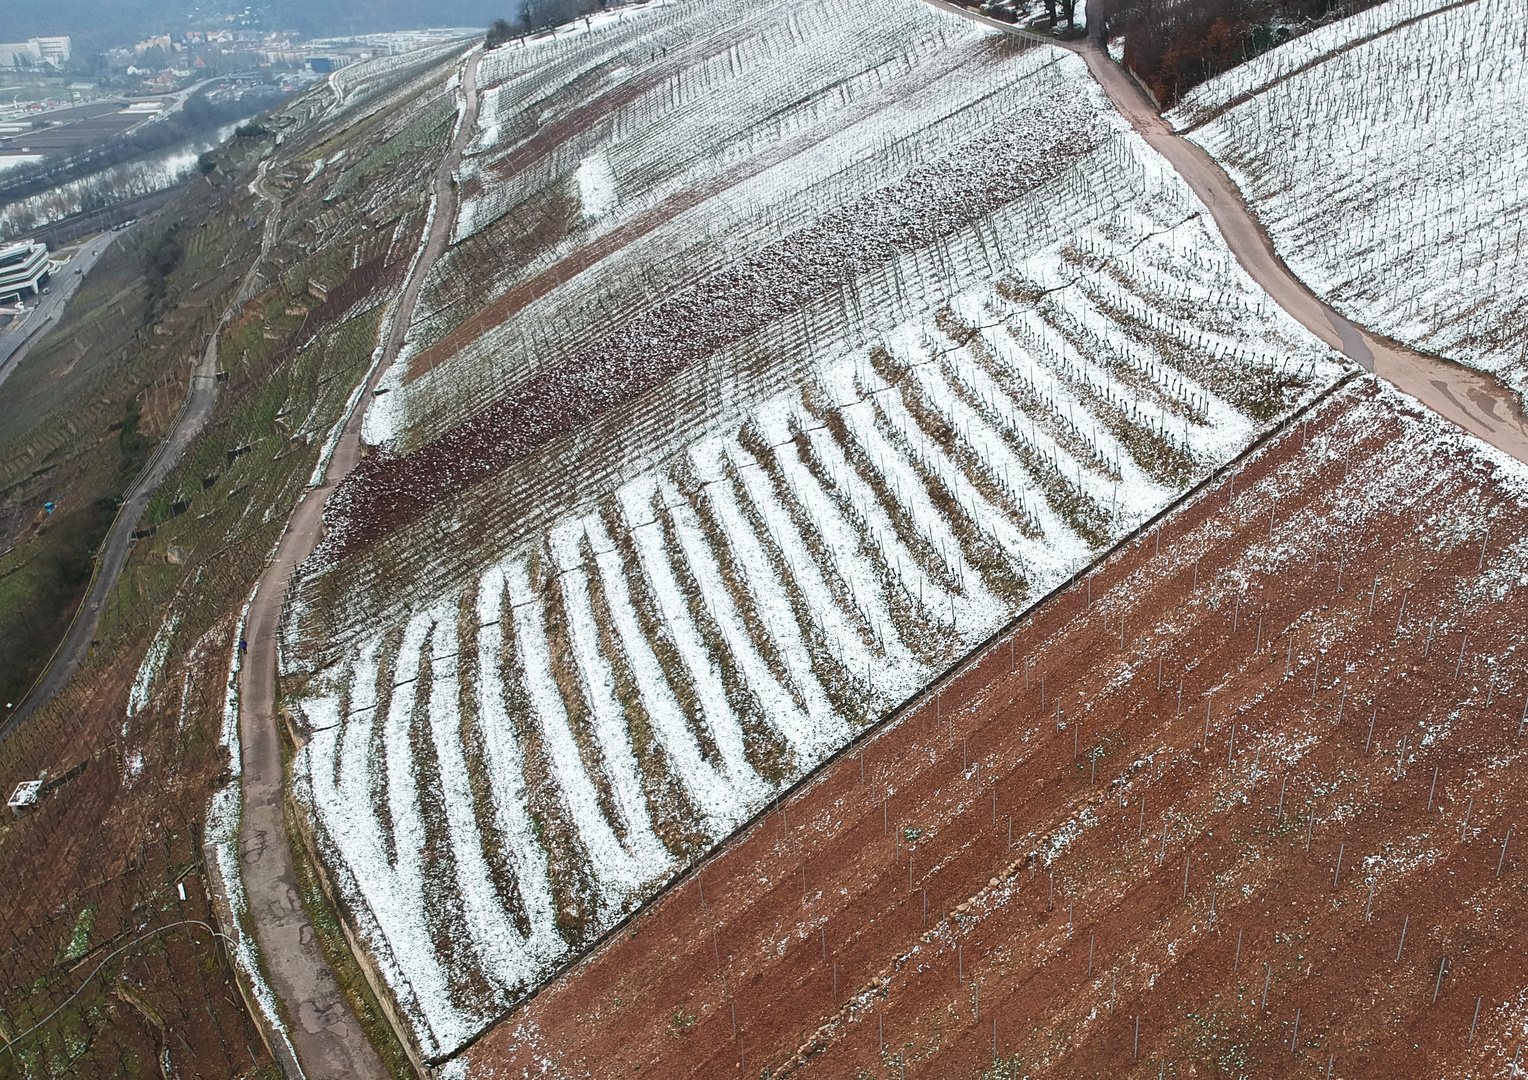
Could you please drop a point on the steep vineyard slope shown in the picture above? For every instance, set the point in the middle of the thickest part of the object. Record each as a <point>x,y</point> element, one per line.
<point>782,355</point>
<point>1386,156</point>
<point>1246,802</point>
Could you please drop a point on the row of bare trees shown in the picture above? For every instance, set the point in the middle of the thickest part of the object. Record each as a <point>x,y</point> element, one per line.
<point>1174,45</point>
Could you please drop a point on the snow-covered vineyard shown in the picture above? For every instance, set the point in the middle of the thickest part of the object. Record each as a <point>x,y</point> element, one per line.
<point>1388,156</point>
<point>537,703</point>
<point>617,167</point>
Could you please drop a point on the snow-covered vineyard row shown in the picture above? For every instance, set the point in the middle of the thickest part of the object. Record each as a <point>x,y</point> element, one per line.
<point>672,169</point>
<point>503,770</point>
<point>1393,176</point>
<point>1208,99</point>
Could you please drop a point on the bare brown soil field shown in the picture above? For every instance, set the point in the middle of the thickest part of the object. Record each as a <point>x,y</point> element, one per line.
<point>1280,730</point>
<point>105,969</point>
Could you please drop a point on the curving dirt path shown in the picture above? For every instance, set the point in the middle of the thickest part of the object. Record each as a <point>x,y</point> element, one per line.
<point>329,1042</point>
<point>1474,400</point>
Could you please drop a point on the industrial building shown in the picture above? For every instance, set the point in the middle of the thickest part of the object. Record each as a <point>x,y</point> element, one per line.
<point>33,51</point>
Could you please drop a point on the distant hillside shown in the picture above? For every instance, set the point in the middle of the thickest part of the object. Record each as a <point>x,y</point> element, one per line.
<point>101,24</point>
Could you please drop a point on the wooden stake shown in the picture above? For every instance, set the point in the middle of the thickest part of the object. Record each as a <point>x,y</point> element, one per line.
<point>1336,874</point>
<point>1371,731</point>
<point>1438,983</point>
<point>1402,945</point>
<point>1503,857</point>
<point>1473,1020</point>
<point>1278,815</point>
<point>1137,1037</point>
<point>1237,963</point>
<point>1090,955</point>
<point>1432,790</point>
<point>1464,831</point>
<point>1258,647</point>
<point>1458,667</point>
<point>1370,905</point>
<point>1267,978</point>
<point>1293,1039</point>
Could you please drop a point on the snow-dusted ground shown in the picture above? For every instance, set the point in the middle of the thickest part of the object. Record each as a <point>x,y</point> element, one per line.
<point>506,765</point>
<point>223,818</point>
<point>1393,174</point>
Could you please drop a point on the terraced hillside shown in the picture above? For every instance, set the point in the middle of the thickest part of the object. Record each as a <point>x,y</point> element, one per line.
<point>1385,155</point>
<point>140,830</point>
<point>778,360</point>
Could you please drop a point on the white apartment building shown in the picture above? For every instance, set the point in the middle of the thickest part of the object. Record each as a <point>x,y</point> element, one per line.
<point>23,270</point>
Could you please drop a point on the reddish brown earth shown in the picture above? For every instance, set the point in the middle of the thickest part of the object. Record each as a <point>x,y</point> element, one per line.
<point>149,990</point>
<point>732,972</point>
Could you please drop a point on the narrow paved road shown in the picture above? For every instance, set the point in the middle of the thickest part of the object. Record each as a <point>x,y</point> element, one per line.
<point>201,396</point>
<point>329,1042</point>
<point>1474,400</point>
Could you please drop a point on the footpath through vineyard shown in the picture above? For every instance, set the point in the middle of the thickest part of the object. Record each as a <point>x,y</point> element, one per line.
<point>1239,799</point>
<point>1477,401</point>
<point>327,1039</point>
